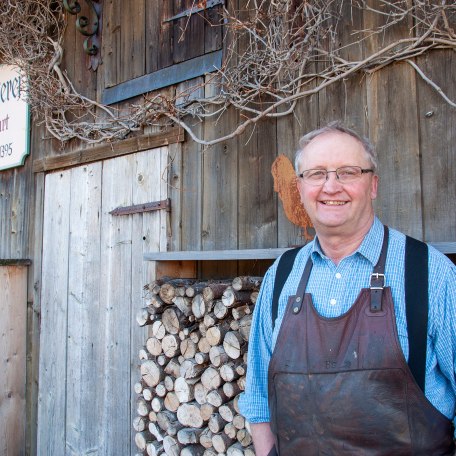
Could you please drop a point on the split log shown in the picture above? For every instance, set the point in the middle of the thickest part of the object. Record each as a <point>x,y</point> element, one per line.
<point>139,423</point>
<point>215,290</point>
<point>156,302</point>
<point>154,346</point>
<point>154,448</point>
<point>158,329</point>
<point>227,411</point>
<point>230,430</point>
<point>189,415</point>
<point>206,411</point>
<point>167,293</point>
<point>216,334</point>
<point>144,354</point>
<point>234,344</point>
<point>151,373</point>
<point>165,419</point>
<point>216,397</point>
<point>183,304</point>
<point>192,450</point>
<point>183,390</point>
<point>195,288</point>
<point>221,442</point>
<point>247,283</point>
<point>241,381</point>
<point>231,389</point>
<point>138,387</point>
<point>147,394</point>
<point>162,360</point>
<point>218,356</point>
<point>220,310</point>
<point>169,383</point>
<point>141,439</point>
<point>210,452</point>
<point>157,404</point>
<point>156,432</point>
<point>200,306</point>
<point>200,392</point>
<point>195,336</point>
<point>170,346</point>
<point>235,450</point>
<point>254,297</point>
<point>202,358</point>
<point>210,319</point>
<point>203,345</point>
<point>244,437</point>
<point>173,368</point>
<point>233,298</point>
<point>171,446</point>
<point>249,451</point>
<point>188,348</point>
<point>171,402</point>
<point>228,371</point>
<point>239,421</point>
<point>216,423</point>
<point>188,436</point>
<point>245,324</point>
<point>211,378</point>
<point>173,319</point>
<point>143,317</point>
<point>205,438</point>
<point>239,312</point>
<point>190,369</point>
<point>160,389</point>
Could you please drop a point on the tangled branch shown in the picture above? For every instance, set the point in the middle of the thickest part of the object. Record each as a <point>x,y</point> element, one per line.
<point>277,52</point>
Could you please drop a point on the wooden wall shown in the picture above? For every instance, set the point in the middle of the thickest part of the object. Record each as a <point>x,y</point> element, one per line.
<point>222,197</point>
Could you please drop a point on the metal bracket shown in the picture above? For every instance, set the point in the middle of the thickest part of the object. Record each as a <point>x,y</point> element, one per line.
<point>196,8</point>
<point>88,26</point>
<point>146,207</point>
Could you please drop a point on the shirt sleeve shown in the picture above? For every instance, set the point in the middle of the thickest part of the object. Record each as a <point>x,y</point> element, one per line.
<point>442,331</point>
<point>253,403</point>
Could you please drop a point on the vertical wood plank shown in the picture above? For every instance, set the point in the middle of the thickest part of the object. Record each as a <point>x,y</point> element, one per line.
<point>220,193</point>
<point>133,40</point>
<point>437,127</point>
<point>85,314</point>
<point>13,308</point>
<point>111,44</point>
<point>54,315</point>
<point>393,128</point>
<point>148,231</point>
<point>166,41</point>
<point>115,297</point>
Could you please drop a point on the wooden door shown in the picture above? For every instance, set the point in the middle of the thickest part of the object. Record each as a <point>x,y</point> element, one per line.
<point>93,275</point>
<point>13,338</point>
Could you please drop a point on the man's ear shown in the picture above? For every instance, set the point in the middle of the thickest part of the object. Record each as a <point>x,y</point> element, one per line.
<point>374,186</point>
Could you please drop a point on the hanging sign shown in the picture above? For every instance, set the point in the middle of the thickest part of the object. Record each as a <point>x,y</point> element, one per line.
<point>14,118</point>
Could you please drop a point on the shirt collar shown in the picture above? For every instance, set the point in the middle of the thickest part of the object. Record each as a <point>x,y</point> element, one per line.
<point>370,248</point>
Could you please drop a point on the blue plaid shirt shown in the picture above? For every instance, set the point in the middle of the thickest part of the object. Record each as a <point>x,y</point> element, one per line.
<point>334,289</point>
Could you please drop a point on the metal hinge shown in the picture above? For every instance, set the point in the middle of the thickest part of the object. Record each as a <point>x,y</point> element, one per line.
<point>196,8</point>
<point>146,207</point>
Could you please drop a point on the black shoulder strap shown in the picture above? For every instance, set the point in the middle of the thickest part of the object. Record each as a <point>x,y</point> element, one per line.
<point>283,271</point>
<point>416,305</point>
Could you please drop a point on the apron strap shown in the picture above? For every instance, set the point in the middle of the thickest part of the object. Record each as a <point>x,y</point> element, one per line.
<point>377,281</point>
<point>416,305</point>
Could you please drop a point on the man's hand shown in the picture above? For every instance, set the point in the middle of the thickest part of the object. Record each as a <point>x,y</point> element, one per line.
<point>263,438</point>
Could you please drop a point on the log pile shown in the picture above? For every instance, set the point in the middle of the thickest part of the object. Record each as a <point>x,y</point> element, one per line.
<point>193,367</point>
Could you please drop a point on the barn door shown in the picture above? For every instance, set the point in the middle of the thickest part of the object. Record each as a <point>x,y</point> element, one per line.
<point>13,338</point>
<point>93,274</point>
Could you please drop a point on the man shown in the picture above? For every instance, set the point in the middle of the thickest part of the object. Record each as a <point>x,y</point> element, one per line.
<point>329,376</point>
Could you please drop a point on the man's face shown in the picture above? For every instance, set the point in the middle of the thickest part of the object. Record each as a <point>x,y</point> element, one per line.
<point>335,208</point>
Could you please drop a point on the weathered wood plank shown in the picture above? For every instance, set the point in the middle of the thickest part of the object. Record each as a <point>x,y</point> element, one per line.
<point>115,297</point>
<point>54,315</point>
<point>104,151</point>
<point>85,314</point>
<point>392,112</point>
<point>13,327</point>
<point>132,40</point>
<point>111,48</point>
<point>437,129</point>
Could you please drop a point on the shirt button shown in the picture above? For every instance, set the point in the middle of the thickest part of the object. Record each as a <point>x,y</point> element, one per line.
<point>332,302</point>
<point>338,275</point>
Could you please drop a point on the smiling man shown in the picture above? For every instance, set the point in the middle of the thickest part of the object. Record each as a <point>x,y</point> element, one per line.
<point>356,353</point>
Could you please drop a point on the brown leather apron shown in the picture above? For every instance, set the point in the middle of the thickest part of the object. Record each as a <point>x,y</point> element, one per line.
<point>341,386</point>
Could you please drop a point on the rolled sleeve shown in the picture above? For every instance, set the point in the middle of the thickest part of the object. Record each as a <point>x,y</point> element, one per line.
<point>253,403</point>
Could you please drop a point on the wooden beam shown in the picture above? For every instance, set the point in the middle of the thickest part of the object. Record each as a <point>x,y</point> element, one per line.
<point>15,262</point>
<point>110,150</point>
<point>251,254</point>
<point>171,75</point>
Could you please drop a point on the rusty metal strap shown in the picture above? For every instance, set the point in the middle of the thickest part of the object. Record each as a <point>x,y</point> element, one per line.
<point>196,8</point>
<point>139,208</point>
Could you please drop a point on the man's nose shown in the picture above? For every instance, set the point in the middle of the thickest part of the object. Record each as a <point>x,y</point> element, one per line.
<point>332,182</point>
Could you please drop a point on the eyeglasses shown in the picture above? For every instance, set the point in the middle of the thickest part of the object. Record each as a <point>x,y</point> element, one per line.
<point>344,174</point>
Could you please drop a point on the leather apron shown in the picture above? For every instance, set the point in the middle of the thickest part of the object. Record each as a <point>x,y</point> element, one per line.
<point>341,386</point>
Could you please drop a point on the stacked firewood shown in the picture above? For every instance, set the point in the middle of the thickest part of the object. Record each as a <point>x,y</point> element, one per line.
<point>193,367</point>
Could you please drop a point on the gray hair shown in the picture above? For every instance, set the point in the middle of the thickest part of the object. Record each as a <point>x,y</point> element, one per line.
<point>339,127</point>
